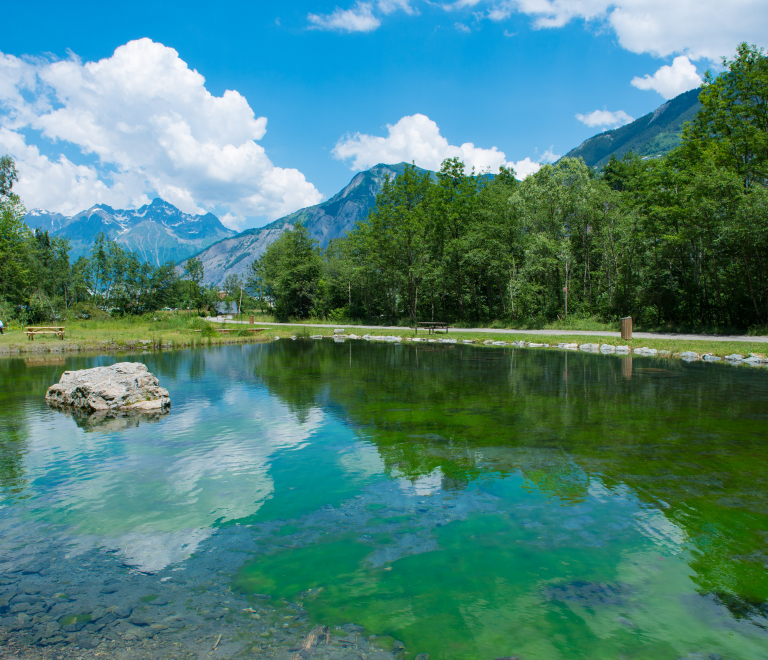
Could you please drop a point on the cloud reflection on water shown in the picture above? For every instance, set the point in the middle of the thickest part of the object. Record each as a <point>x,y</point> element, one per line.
<point>153,493</point>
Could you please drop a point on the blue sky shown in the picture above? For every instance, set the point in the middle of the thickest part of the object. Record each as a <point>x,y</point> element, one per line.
<point>99,104</point>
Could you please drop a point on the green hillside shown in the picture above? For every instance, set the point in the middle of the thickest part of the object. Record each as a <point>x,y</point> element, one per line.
<point>654,134</point>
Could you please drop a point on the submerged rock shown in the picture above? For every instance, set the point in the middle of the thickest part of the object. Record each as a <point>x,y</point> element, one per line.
<point>120,388</point>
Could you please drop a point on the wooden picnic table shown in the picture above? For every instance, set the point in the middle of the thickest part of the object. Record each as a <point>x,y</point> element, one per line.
<point>225,330</point>
<point>32,331</point>
<point>431,326</point>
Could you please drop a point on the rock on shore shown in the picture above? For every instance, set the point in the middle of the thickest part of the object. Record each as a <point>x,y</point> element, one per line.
<point>122,387</point>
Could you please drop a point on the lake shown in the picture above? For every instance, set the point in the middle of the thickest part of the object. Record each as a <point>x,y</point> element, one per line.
<point>359,500</point>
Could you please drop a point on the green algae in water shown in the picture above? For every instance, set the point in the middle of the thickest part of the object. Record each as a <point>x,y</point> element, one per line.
<point>487,591</point>
<point>658,564</point>
<point>79,618</point>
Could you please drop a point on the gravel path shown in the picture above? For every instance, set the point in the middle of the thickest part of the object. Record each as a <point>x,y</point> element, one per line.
<point>506,331</point>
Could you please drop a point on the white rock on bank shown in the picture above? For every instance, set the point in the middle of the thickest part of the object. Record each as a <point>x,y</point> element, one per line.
<point>122,387</point>
<point>607,348</point>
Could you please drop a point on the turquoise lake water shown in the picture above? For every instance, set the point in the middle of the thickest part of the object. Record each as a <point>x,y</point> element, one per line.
<point>465,502</point>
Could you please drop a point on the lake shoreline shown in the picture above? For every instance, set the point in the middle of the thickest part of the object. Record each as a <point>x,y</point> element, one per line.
<point>171,331</point>
<point>724,352</point>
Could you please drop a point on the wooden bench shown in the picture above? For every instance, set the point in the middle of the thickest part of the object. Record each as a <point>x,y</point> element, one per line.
<point>432,326</point>
<point>33,331</point>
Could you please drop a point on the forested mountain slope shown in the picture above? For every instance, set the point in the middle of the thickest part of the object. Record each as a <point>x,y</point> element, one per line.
<point>157,232</point>
<point>654,134</point>
<point>330,219</point>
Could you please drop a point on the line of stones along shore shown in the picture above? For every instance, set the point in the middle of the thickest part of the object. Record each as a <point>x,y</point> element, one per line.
<point>605,349</point>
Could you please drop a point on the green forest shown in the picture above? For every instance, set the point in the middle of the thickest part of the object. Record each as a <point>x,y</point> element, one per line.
<point>679,241</point>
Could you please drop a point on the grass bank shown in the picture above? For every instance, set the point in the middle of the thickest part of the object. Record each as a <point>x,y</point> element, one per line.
<point>168,331</point>
<point>162,332</point>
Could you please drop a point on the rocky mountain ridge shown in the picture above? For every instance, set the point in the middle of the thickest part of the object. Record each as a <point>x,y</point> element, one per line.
<point>653,135</point>
<point>158,232</point>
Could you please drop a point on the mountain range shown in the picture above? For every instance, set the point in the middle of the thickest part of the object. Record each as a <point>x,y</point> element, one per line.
<point>158,232</point>
<point>653,135</point>
<point>326,221</point>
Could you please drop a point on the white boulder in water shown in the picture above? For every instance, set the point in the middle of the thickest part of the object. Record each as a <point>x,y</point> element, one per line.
<point>122,387</point>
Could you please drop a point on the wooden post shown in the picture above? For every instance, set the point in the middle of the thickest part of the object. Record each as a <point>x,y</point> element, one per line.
<point>626,367</point>
<point>250,320</point>
<point>626,328</point>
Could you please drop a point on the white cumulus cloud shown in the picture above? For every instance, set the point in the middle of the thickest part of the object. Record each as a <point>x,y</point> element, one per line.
<point>390,6</point>
<point>358,19</point>
<point>704,29</point>
<point>361,18</point>
<point>526,167</point>
<point>146,125</point>
<point>605,118</point>
<point>669,81</point>
<point>416,138</point>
